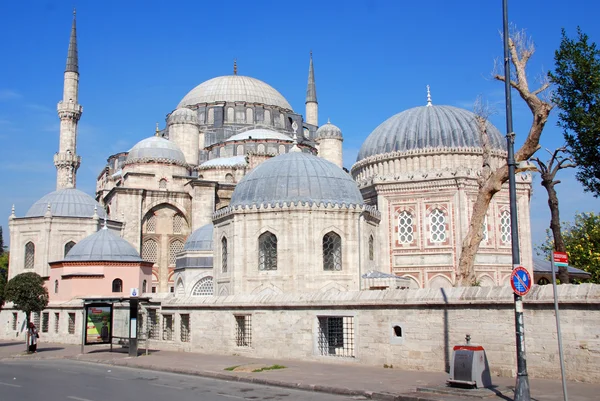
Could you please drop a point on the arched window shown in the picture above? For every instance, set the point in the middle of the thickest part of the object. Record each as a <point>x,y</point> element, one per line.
<point>230,114</point>
<point>211,116</point>
<point>117,285</point>
<point>268,117</point>
<point>437,226</point>
<point>332,251</point>
<point>228,177</point>
<point>485,230</point>
<point>174,248</point>
<point>178,223</point>
<point>224,254</point>
<point>162,184</point>
<point>151,224</point>
<point>203,287</point>
<point>281,149</point>
<point>56,286</point>
<point>505,229</point>
<point>260,148</point>
<point>267,251</point>
<point>29,255</point>
<point>371,248</point>
<point>405,228</point>
<point>249,116</point>
<point>144,286</point>
<point>150,251</point>
<point>240,150</point>
<point>68,246</point>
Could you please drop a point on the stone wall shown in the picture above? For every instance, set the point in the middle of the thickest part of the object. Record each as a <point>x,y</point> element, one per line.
<point>431,322</point>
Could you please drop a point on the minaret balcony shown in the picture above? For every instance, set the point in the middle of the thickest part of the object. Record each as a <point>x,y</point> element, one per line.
<point>67,159</point>
<point>69,107</point>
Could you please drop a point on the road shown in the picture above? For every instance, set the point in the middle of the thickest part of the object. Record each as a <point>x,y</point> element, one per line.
<point>65,380</point>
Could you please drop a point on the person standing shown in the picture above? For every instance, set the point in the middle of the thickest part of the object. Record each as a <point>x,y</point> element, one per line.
<point>32,337</point>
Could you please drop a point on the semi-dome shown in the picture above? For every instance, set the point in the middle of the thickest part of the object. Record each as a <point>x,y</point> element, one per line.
<point>200,240</point>
<point>156,149</point>
<point>428,127</point>
<point>329,131</point>
<point>183,115</point>
<point>67,202</point>
<point>259,133</point>
<point>103,246</point>
<point>296,177</point>
<point>235,88</point>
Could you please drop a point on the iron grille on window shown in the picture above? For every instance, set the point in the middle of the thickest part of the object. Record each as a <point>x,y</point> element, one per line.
<point>267,251</point>
<point>56,286</point>
<point>151,224</point>
<point>224,255</point>
<point>437,226</point>
<point>71,323</point>
<point>405,228</point>
<point>243,330</point>
<point>117,285</point>
<point>45,319</point>
<point>162,184</point>
<point>15,316</point>
<point>68,246</point>
<point>332,251</point>
<point>150,250</point>
<point>185,328</point>
<point>203,287</point>
<point>56,321</point>
<point>168,327</point>
<point>29,255</point>
<point>153,326</point>
<point>505,231</point>
<point>336,336</point>
<point>175,247</point>
<point>371,248</point>
<point>36,319</point>
<point>178,223</point>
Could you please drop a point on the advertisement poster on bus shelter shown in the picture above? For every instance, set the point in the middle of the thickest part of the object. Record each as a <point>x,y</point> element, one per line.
<point>98,324</point>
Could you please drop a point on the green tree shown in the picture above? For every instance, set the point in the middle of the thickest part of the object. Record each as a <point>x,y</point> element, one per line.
<point>27,292</point>
<point>2,285</point>
<point>577,94</point>
<point>1,242</point>
<point>582,242</point>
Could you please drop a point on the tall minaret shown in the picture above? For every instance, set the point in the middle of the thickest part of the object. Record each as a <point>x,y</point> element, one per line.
<point>312,106</point>
<point>69,111</point>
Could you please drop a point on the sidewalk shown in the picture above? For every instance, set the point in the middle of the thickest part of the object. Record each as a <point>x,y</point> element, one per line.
<point>347,379</point>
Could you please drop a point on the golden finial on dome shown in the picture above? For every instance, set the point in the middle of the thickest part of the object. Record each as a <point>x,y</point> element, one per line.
<point>428,97</point>
<point>234,66</point>
<point>157,130</point>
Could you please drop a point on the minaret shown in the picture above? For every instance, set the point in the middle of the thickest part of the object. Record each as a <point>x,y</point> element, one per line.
<point>312,106</point>
<point>69,111</point>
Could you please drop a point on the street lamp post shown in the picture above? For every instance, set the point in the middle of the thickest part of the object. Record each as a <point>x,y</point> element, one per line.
<point>522,385</point>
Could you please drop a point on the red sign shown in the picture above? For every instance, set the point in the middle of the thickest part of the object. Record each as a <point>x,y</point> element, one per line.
<point>561,257</point>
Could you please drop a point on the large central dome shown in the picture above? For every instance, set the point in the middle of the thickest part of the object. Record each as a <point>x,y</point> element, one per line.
<point>428,127</point>
<point>234,88</point>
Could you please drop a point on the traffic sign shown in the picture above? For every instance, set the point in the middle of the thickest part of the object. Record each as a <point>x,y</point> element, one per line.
<point>134,292</point>
<point>561,259</point>
<point>520,280</point>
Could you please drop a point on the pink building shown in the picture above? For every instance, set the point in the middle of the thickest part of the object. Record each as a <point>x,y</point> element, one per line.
<point>101,265</point>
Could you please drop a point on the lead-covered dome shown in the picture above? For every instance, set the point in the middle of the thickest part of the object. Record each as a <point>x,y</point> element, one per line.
<point>156,149</point>
<point>428,127</point>
<point>200,240</point>
<point>329,131</point>
<point>103,246</point>
<point>183,116</point>
<point>296,177</point>
<point>234,88</point>
<point>67,202</point>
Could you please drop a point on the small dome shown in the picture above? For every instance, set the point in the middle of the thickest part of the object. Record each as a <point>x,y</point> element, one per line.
<point>103,246</point>
<point>234,88</point>
<point>428,127</point>
<point>182,116</point>
<point>296,177</point>
<point>200,240</point>
<point>329,131</point>
<point>259,133</point>
<point>68,202</point>
<point>156,149</point>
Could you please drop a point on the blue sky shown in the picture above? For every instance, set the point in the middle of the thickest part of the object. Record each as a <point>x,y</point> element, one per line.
<point>373,59</point>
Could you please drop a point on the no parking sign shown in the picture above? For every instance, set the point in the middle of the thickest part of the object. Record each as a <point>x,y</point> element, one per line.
<point>520,280</point>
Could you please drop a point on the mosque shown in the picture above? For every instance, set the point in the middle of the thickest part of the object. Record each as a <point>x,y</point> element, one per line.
<point>240,194</point>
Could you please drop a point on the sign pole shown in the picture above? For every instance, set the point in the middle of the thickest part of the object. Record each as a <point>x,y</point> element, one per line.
<point>83,327</point>
<point>558,333</point>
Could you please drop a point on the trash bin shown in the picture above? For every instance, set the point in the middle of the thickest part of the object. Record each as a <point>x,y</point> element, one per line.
<point>469,367</point>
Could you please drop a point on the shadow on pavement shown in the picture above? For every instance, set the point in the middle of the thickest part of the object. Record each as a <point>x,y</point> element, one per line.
<point>48,349</point>
<point>13,343</point>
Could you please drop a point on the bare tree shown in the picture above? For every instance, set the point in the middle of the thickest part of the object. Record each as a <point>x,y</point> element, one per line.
<point>548,172</point>
<point>521,49</point>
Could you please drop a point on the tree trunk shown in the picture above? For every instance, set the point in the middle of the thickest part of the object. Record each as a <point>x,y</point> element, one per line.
<point>28,319</point>
<point>559,244</point>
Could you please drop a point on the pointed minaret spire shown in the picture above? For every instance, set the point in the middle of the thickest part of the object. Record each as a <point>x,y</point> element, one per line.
<point>312,107</point>
<point>234,66</point>
<point>69,111</point>
<point>428,97</point>
<point>72,58</point>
